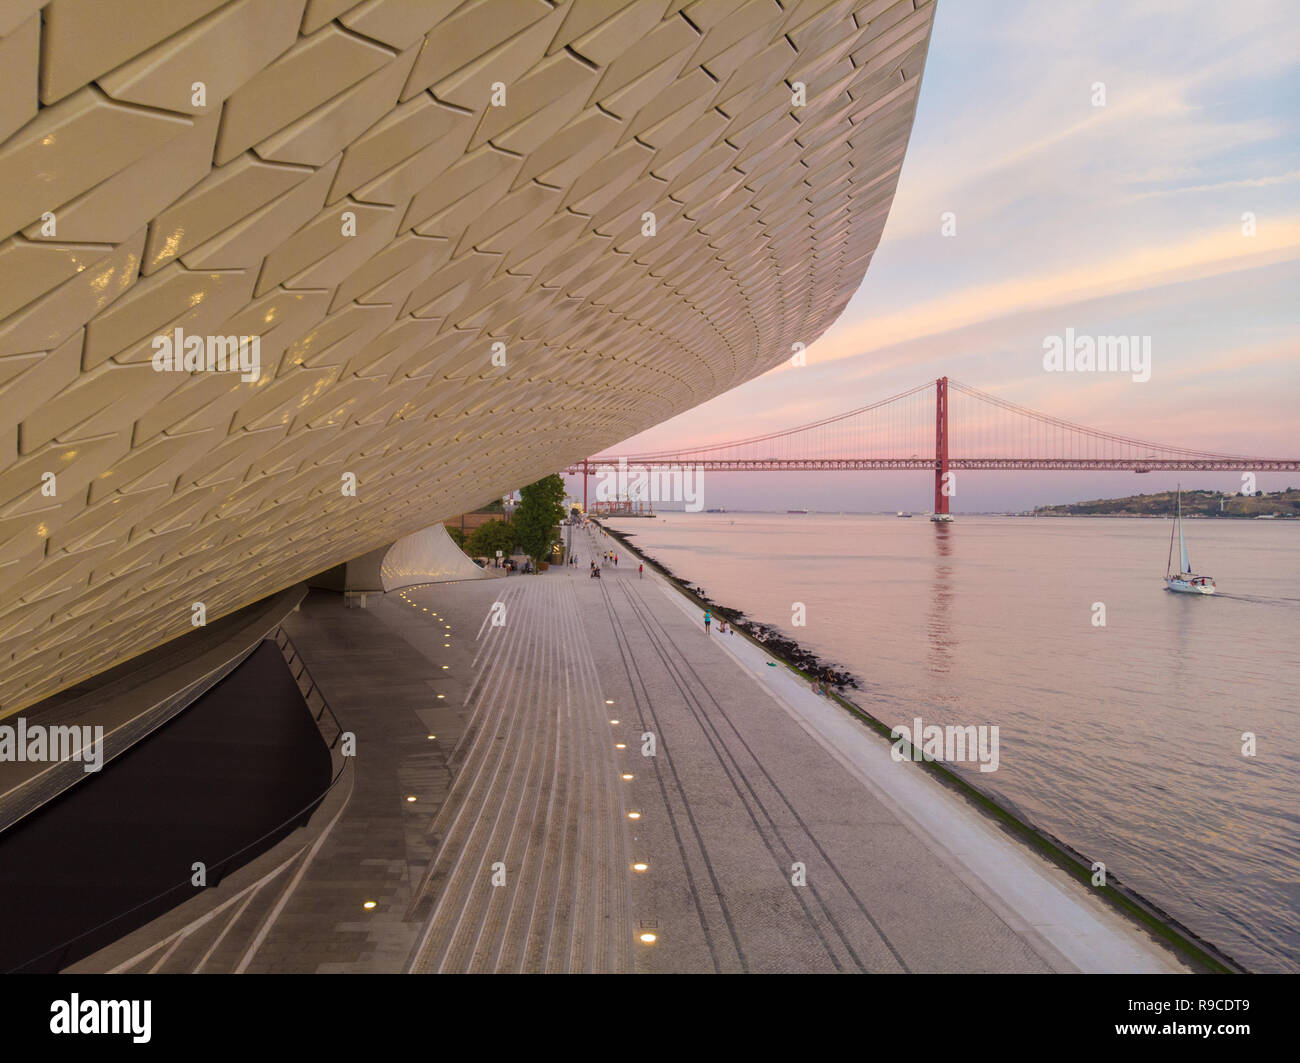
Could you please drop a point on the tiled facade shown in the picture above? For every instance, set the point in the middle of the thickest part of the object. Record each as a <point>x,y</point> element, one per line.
<point>381,192</point>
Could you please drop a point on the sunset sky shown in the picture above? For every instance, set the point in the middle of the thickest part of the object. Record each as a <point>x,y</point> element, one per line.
<point>1117,219</point>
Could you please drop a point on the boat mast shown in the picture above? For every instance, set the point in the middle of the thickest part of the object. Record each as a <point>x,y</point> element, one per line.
<point>1169,561</point>
<point>1183,559</point>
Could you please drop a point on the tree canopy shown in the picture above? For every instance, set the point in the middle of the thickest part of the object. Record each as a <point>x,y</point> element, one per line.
<point>540,510</point>
<point>491,536</point>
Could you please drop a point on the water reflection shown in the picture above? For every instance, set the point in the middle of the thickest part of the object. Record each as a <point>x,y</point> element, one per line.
<point>942,641</point>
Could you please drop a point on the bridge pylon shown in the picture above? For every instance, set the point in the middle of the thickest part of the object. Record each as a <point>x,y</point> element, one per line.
<point>940,446</point>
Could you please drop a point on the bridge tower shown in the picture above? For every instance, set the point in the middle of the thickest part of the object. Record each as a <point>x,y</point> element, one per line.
<point>940,445</point>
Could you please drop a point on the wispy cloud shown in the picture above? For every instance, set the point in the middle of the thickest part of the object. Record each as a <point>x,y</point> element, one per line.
<point>1248,182</point>
<point>1196,256</point>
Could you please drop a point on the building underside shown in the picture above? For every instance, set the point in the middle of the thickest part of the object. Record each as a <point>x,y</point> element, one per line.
<point>476,241</point>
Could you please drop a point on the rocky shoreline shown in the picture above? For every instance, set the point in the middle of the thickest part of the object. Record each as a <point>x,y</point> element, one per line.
<point>775,641</point>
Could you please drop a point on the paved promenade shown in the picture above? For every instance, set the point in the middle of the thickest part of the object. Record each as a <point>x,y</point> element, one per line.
<point>775,832</point>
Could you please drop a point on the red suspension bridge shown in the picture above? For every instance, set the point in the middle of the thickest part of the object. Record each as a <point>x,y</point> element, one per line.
<point>923,428</point>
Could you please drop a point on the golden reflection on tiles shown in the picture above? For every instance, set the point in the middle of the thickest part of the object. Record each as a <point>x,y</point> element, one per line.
<point>624,195</point>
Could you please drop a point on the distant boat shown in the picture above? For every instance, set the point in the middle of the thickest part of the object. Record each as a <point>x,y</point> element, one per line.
<point>720,509</point>
<point>1185,581</point>
<point>902,514</point>
<point>804,511</point>
<point>941,518</point>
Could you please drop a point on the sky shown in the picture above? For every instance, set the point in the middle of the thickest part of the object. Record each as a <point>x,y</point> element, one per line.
<point>1124,218</point>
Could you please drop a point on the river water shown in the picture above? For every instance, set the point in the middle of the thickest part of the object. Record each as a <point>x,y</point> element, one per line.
<point>1123,740</point>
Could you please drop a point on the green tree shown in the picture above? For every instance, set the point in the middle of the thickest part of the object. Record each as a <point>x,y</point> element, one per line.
<point>457,536</point>
<point>491,536</point>
<point>540,510</point>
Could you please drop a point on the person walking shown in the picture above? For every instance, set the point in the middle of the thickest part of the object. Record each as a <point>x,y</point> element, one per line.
<point>708,619</point>
<point>640,571</point>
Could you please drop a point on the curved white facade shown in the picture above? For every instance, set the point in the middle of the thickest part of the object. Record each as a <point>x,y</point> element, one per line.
<point>475,241</point>
<point>428,556</point>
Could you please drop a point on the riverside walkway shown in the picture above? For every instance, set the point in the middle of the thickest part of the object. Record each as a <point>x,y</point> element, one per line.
<point>505,816</point>
<point>777,834</point>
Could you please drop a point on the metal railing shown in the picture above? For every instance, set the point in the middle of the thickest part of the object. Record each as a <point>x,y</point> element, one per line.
<point>292,657</point>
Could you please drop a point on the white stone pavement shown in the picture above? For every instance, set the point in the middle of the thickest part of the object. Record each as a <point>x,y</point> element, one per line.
<point>1065,925</point>
<point>770,831</point>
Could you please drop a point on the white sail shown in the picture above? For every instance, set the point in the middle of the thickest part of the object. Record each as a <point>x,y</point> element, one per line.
<point>1182,543</point>
<point>1185,582</point>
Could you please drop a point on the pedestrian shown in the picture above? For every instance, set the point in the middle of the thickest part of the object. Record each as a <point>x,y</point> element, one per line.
<point>708,619</point>
<point>640,571</point>
<point>616,560</point>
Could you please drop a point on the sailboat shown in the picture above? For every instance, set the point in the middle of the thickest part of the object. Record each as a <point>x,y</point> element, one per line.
<point>1185,581</point>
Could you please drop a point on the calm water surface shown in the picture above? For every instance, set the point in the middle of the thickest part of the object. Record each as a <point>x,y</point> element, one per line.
<point>1125,741</point>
